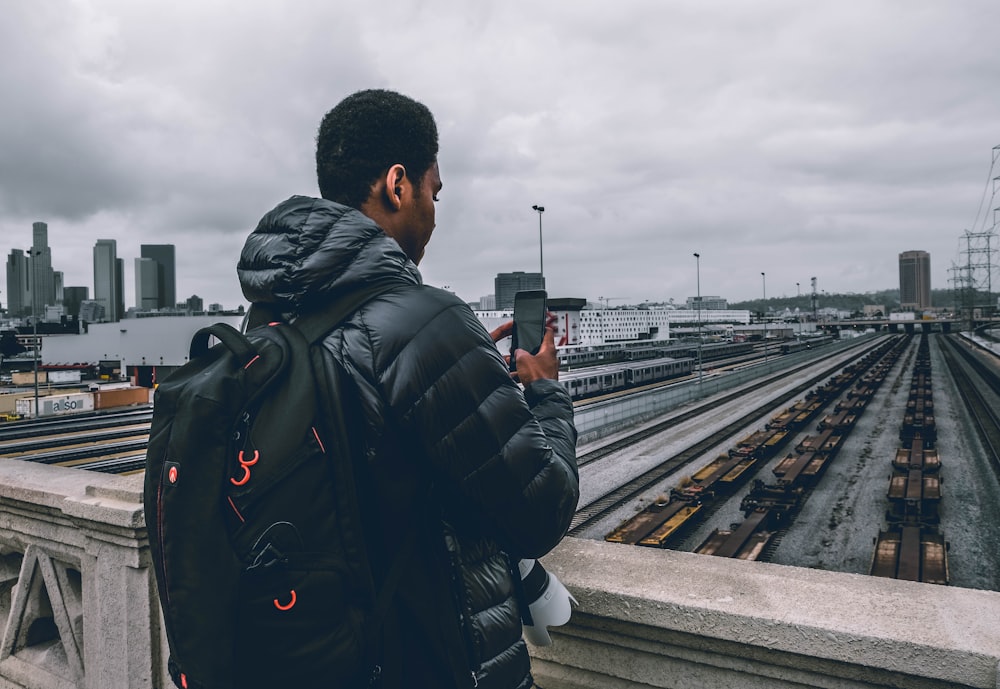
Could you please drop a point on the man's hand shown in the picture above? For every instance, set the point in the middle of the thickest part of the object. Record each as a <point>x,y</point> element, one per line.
<point>545,364</point>
<point>530,367</point>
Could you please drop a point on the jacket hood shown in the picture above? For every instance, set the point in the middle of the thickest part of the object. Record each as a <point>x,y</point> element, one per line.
<point>307,251</point>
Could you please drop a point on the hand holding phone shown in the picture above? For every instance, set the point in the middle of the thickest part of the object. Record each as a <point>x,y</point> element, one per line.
<point>530,316</point>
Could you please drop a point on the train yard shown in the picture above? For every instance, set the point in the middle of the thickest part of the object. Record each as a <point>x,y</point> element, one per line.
<point>835,520</point>
<point>849,462</point>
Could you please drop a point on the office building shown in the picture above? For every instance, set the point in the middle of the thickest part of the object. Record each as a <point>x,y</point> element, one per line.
<point>73,297</point>
<point>508,284</point>
<point>92,311</point>
<point>914,280</point>
<point>40,263</point>
<point>108,281</point>
<point>708,303</point>
<point>166,285</point>
<point>487,303</point>
<point>18,294</point>
<point>147,284</point>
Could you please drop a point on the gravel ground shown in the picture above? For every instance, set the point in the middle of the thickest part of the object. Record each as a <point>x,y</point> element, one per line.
<point>836,528</point>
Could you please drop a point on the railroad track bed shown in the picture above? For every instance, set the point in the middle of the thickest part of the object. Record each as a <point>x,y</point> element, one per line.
<point>645,465</point>
<point>804,442</point>
<point>839,520</point>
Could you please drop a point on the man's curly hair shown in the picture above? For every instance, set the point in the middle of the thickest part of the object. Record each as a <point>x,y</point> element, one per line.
<point>367,133</point>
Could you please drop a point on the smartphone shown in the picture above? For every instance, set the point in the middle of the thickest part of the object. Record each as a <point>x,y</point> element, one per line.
<point>530,313</point>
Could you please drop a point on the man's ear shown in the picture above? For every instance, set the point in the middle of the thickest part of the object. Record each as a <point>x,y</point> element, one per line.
<point>396,186</point>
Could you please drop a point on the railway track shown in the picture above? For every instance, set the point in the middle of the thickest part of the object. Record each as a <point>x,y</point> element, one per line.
<point>85,421</point>
<point>694,412</point>
<point>601,507</point>
<point>979,387</point>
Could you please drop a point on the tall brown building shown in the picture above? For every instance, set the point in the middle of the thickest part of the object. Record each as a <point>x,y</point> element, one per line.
<point>915,280</point>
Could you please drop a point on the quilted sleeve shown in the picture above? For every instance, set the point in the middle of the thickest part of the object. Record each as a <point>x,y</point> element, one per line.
<point>507,456</point>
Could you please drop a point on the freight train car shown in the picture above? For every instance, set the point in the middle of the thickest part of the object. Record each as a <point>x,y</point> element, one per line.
<point>911,553</point>
<point>912,547</point>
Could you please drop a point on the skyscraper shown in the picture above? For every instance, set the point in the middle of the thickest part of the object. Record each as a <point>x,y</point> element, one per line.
<point>147,290</point>
<point>506,285</point>
<point>73,297</point>
<point>40,262</point>
<point>915,280</point>
<point>166,284</point>
<point>18,294</point>
<point>107,278</point>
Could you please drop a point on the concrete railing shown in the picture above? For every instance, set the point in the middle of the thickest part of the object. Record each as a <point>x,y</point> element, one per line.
<point>77,596</point>
<point>659,618</point>
<point>79,610</point>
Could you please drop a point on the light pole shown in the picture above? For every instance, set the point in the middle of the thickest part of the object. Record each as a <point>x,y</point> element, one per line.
<point>763,312</point>
<point>697,263</point>
<point>34,318</point>
<point>798,317</point>
<point>541,262</point>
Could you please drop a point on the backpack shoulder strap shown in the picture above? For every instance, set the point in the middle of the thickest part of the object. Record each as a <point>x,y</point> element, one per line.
<point>316,324</point>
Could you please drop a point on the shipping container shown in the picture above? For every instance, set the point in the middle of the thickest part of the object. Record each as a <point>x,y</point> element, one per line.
<point>106,399</point>
<point>68,376</point>
<point>27,378</point>
<point>53,405</point>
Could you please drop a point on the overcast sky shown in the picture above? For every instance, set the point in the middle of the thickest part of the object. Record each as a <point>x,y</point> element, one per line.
<point>799,139</point>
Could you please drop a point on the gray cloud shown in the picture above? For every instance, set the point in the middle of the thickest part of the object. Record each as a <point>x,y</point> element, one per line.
<point>797,139</point>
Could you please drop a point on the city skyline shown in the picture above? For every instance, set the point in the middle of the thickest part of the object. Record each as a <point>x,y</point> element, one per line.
<point>32,283</point>
<point>505,283</point>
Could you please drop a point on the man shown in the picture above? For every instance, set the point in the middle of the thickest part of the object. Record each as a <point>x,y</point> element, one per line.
<point>486,472</point>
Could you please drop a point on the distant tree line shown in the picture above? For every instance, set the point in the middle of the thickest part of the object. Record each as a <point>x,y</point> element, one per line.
<point>850,302</point>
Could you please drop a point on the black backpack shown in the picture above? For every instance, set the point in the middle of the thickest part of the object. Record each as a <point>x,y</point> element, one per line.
<point>252,509</point>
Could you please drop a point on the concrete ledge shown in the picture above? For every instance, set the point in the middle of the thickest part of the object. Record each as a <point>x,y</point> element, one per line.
<point>74,561</point>
<point>78,604</point>
<point>670,619</point>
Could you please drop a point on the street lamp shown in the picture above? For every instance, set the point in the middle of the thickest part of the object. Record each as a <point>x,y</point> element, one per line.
<point>798,316</point>
<point>697,263</point>
<point>34,318</point>
<point>763,312</point>
<point>541,262</point>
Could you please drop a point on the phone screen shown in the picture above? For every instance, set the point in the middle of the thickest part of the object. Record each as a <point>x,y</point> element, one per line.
<point>530,311</point>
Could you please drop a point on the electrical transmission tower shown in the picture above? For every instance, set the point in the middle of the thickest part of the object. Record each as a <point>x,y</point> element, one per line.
<point>972,277</point>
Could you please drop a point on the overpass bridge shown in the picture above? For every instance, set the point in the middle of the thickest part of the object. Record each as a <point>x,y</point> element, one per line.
<point>916,325</point>
<point>79,610</point>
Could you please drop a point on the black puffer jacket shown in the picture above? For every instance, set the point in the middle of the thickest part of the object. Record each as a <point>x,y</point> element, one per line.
<point>440,410</point>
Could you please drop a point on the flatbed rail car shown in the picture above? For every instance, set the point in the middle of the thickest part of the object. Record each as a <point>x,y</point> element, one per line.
<point>722,475</point>
<point>798,469</point>
<point>912,547</point>
<point>664,513</point>
<point>798,415</point>
<point>763,443</point>
<point>911,553</point>
<point>744,542</point>
<point>917,456</point>
<point>827,441</point>
<point>913,496</point>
